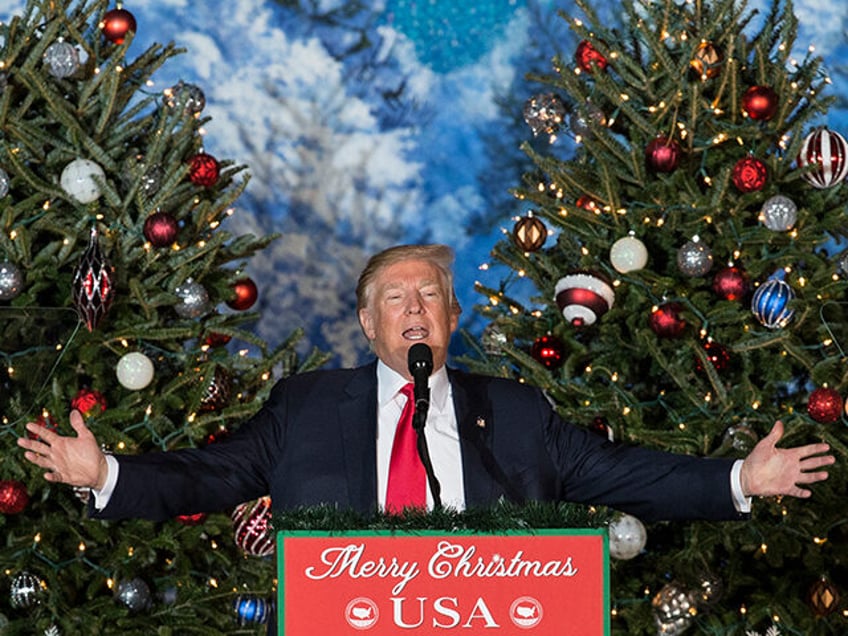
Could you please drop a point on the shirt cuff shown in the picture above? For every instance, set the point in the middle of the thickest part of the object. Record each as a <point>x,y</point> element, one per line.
<point>102,496</point>
<point>740,501</point>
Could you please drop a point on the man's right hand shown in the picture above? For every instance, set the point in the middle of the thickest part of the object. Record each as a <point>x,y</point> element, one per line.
<point>77,461</point>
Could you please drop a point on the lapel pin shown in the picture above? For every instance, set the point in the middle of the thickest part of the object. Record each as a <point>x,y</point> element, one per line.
<point>481,422</point>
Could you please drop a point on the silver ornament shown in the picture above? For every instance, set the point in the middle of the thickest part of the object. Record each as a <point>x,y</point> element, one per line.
<point>694,258</point>
<point>544,113</point>
<point>581,120</point>
<point>11,281</point>
<point>62,59</point>
<point>26,590</point>
<point>4,182</point>
<point>710,590</point>
<point>194,300</point>
<point>627,537</point>
<point>493,339</point>
<point>674,609</point>
<point>842,264</point>
<point>779,213</point>
<point>53,630</point>
<point>134,594</point>
<point>190,96</point>
<point>741,437</point>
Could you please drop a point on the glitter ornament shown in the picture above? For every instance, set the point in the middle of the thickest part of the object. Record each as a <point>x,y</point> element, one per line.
<point>627,537</point>
<point>779,213</point>
<point>628,254</point>
<point>79,180</point>
<point>544,113</point>
<point>770,303</point>
<point>706,61</point>
<point>4,183</point>
<point>62,59</point>
<point>251,610</point>
<point>825,405</point>
<point>549,351</point>
<point>673,608</point>
<point>26,590</point>
<point>194,299</point>
<point>583,297</point>
<point>89,402</point>
<point>134,594</point>
<point>13,497</point>
<point>11,281</point>
<point>134,371</point>
<point>740,437</point>
<point>246,293</point>
<point>116,24</point>
<point>731,283</point>
<point>190,96</point>
<point>694,258</point>
<point>493,339</point>
<point>841,267</point>
<point>203,170</point>
<point>823,597</point>
<point>760,103</point>
<point>828,151</point>
<point>716,354</point>
<point>749,174</point>
<point>662,154</point>
<point>161,228</point>
<point>580,122</point>
<point>218,390</point>
<point>589,58</point>
<point>665,321</point>
<point>93,287</point>
<point>252,527</point>
<point>709,590</point>
<point>529,233</point>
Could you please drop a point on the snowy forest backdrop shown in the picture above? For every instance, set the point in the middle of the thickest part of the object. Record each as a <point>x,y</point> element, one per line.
<point>369,123</point>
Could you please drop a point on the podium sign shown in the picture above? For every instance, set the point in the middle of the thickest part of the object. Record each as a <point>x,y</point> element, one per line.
<point>544,583</point>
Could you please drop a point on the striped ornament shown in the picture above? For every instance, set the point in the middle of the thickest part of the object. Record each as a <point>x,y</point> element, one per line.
<point>770,304</point>
<point>829,151</point>
<point>251,610</point>
<point>583,297</point>
<point>252,527</point>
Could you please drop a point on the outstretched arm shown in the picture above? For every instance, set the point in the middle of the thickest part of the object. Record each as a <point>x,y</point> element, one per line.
<point>77,461</point>
<point>769,470</point>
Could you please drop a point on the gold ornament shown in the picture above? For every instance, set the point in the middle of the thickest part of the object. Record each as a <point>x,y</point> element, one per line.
<point>530,233</point>
<point>824,597</point>
<point>706,61</point>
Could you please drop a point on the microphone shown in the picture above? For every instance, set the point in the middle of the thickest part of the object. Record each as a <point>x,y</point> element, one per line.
<point>420,364</point>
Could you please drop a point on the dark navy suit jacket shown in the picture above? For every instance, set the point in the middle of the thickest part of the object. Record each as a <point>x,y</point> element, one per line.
<point>314,442</point>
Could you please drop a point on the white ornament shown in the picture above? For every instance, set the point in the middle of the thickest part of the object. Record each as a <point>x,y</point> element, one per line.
<point>627,537</point>
<point>79,180</point>
<point>135,371</point>
<point>628,254</point>
<point>779,213</point>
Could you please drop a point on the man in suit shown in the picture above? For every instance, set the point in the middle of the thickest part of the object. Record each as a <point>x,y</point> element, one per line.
<point>326,436</point>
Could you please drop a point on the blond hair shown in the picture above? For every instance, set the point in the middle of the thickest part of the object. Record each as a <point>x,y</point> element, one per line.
<point>439,255</point>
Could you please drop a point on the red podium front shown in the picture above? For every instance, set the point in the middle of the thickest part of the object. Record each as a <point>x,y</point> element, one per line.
<point>542,583</point>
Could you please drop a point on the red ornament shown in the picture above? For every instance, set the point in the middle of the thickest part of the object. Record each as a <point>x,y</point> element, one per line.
<point>665,321</point>
<point>731,283</point>
<point>13,497</point>
<point>204,170</point>
<point>827,150</point>
<point>216,339</point>
<point>46,420</point>
<point>217,436</point>
<point>116,24</point>
<point>161,228</point>
<point>246,294</point>
<point>717,354</point>
<point>588,57</point>
<point>749,174</point>
<point>192,520</point>
<point>93,290</point>
<point>760,102</point>
<point>662,154</point>
<point>88,402</point>
<point>583,297</point>
<point>252,527</point>
<point>549,351</point>
<point>587,203</point>
<point>825,405</point>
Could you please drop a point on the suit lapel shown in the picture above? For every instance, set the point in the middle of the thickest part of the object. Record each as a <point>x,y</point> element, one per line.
<point>357,413</point>
<point>474,419</point>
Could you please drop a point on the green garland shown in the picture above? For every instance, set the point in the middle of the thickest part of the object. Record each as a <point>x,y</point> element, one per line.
<point>501,517</point>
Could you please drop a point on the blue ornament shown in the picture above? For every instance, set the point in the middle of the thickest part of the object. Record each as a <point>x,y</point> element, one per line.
<point>251,610</point>
<point>770,303</point>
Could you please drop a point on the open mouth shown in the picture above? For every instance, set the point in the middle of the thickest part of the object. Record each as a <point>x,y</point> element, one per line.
<point>416,333</point>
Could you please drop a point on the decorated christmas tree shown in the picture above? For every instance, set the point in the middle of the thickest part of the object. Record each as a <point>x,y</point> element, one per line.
<point>121,295</point>
<point>676,278</point>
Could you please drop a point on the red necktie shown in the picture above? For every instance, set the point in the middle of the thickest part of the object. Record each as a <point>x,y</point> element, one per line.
<point>407,487</point>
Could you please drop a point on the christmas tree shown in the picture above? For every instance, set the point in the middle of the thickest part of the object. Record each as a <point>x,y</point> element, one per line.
<point>122,295</point>
<point>675,279</point>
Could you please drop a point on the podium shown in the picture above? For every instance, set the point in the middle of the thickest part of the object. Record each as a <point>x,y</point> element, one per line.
<point>380,583</point>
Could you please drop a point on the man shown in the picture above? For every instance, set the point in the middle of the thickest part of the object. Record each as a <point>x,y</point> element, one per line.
<point>326,436</point>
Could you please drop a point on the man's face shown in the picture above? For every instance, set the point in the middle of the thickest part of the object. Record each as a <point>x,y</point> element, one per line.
<point>409,303</point>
